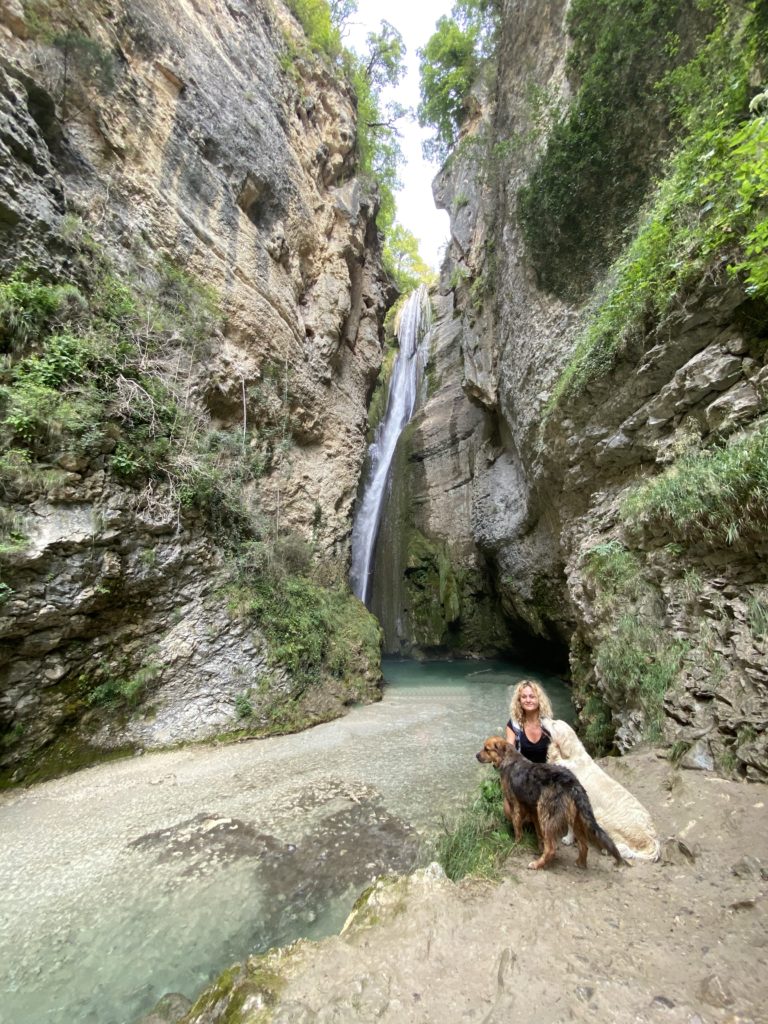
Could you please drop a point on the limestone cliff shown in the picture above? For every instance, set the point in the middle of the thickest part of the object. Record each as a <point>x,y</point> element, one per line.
<point>187,171</point>
<point>583,426</point>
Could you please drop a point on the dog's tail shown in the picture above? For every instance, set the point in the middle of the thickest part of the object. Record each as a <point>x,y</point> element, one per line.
<point>597,834</point>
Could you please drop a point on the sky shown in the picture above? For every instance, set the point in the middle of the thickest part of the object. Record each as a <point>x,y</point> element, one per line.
<point>415,20</point>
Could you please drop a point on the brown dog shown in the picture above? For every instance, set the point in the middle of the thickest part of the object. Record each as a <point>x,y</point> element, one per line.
<point>549,796</point>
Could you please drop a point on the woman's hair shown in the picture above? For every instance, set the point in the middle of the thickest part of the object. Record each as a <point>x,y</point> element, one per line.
<point>516,707</point>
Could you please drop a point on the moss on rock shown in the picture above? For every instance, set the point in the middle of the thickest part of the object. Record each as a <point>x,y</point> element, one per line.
<point>450,605</point>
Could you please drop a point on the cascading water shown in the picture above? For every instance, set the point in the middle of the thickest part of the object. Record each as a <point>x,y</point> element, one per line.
<point>401,401</point>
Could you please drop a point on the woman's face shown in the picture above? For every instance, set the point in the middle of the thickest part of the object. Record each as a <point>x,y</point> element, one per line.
<point>529,699</point>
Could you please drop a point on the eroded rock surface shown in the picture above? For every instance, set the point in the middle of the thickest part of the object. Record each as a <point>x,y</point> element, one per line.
<point>219,144</point>
<point>534,487</point>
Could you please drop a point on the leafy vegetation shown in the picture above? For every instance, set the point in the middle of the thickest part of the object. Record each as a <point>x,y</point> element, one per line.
<point>115,691</point>
<point>757,615</point>
<point>478,840</point>
<point>635,661</point>
<point>320,27</point>
<point>89,379</point>
<point>597,725</point>
<point>601,153</point>
<point>403,262</point>
<point>712,497</point>
<point>637,664</point>
<point>313,628</point>
<point>708,212</point>
<point>29,308</point>
<point>615,568</point>
<point>450,64</point>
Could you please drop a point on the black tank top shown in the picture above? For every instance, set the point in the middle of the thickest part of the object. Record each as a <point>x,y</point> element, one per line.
<point>536,752</point>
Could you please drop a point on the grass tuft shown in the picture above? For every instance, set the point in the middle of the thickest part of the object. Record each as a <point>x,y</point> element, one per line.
<point>713,497</point>
<point>478,840</point>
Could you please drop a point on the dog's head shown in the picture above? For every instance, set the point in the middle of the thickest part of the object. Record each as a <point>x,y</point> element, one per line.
<point>494,749</point>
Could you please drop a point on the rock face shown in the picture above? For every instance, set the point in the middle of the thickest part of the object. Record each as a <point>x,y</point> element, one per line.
<point>536,486</point>
<point>211,138</point>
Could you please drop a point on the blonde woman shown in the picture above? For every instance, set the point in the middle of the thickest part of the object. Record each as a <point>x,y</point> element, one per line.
<point>541,738</point>
<point>530,721</point>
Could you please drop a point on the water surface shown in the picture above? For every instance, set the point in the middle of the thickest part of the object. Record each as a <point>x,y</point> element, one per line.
<point>144,876</point>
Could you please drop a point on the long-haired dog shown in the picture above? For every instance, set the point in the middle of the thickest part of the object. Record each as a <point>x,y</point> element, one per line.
<point>549,796</point>
<point>621,814</point>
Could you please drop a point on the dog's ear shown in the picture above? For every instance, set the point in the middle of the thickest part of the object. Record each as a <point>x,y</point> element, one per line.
<point>495,748</point>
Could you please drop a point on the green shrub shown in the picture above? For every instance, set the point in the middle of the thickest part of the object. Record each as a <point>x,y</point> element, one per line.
<point>450,64</point>
<point>712,497</point>
<point>614,568</point>
<point>293,614</point>
<point>315,18</point>
<point>757,616</point>
<point>378,150</point>
<point>117,692</point>
<point>96,380</point>
<point>596,726</point>
<point>637,665</point>
<point>312,628</point>
<point>602,152</point>
<point>29,308</point>
<point>402,260</point>
<point>448,67</point>
<point>678,751</point>
<point>18,473</point>
<point>243,705</point>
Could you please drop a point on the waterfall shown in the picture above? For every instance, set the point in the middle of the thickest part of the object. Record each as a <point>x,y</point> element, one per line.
<point>401,402</point>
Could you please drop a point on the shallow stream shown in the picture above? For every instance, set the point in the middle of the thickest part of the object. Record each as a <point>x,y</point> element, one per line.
<point>140,877</point>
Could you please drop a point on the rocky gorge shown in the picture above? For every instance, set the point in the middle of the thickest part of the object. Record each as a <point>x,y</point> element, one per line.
<point>193,321</point>
<point>588,467</point>
<point>239,271</point>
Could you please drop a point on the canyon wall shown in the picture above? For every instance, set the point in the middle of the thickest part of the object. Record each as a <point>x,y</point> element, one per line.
<point>546,480</point>
<point>180,180</point>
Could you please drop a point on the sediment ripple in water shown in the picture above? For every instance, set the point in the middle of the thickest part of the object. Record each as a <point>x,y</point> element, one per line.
<point>150,875</point>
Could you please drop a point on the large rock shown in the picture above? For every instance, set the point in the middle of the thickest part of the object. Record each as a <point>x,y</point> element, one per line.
<point>548,482</point>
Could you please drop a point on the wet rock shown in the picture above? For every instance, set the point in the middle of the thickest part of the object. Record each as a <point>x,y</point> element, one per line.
<point>715,992</point>
<point>171,1009</point>
<point>749,867</point>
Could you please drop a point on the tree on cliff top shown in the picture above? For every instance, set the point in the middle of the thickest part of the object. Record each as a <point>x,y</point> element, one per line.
<point>450,64</point>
